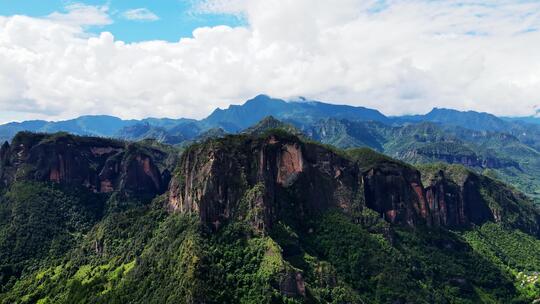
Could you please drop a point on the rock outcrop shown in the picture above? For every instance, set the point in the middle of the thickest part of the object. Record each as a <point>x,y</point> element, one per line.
<point>266,178</point>
<point>260,179</point>
<point>451,205</point>
<point>101,165</point>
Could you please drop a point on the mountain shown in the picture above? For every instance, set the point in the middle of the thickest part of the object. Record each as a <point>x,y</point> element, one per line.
<point>531,119</point>
<point>90,125</point>
<point>324,180</point>
<point>470,119</point>
<point>234,119</point>
<point>302,113</point>
<point>237,118</point>
<point>101,165</point>
<point>347,134</point>
<point>101,125</point>
<point>270,123</point>
<point>508,149</point>
<point>172,135</point>
<point>255,218</point>
<point>502,154</point>
<point>525,129</point>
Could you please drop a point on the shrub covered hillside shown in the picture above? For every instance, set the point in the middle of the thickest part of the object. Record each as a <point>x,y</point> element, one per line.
<point>260,217</point>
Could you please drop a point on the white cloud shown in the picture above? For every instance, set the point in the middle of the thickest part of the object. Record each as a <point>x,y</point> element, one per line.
<point>140,14</point>
<point>82,15</point>
<point>404,57</point>
<point>236,7</point>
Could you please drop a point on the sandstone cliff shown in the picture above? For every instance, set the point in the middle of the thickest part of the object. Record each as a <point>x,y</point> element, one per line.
<point>267,177</point>
<point>101,165</point>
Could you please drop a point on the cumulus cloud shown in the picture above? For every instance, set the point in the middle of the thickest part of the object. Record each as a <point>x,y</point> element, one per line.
<point>140,14</point>
<point>397,56</point>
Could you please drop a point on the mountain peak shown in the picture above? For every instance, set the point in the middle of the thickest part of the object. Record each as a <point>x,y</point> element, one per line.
<point>437,110</point>
<point>259,98</point>
<point>269,123</point>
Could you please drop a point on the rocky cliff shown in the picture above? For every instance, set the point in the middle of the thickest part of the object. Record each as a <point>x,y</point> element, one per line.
<point>266,177</point>
<point>101,165</point>
<point>261,179</point>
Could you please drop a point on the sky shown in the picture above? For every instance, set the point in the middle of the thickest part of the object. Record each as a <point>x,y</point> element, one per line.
<point>61,59</point>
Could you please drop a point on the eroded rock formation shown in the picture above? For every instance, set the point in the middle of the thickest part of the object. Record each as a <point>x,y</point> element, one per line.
<point>100,165</point>
<point>267,177</point>
<point>261,178</point>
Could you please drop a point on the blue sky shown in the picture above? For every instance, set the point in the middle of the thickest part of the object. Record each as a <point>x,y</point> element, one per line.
<point>177,18</point>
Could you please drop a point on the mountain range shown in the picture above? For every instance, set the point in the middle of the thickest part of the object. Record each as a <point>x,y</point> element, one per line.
<point>265,216</point>
<point>272,202</point>
<point>506,148</point>
<point>301,113</point>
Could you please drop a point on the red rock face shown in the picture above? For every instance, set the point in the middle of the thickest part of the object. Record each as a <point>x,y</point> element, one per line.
<point>396,193</point>
<point>446,205</point>
<point>97,164</point>
<point>214,179</point>
<point>290,164</point>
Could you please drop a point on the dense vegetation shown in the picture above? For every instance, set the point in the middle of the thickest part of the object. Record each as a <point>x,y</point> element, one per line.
<point>138,253</point>
<point>67,244</point>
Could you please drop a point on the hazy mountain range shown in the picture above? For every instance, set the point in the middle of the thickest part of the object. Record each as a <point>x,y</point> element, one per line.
<point>506,148</point>
<point>239,117</point>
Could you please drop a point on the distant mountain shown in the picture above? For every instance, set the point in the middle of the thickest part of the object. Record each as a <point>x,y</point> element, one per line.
<point>530,119</point>
<point>234,119</point>
<point>143,131</point>
<point>237,118</point>
<point>348,134</point>
<point>97,125</point>
<point>503,154</point>
<point>482,141</point>
<point>100,125</point>
<point>166,131</point>
<point>303,114</point>
<point>271,123</point>
<point>470,119</point>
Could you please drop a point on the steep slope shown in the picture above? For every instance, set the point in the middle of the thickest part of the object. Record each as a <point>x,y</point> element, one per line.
<point>257,219</point>
<point>347,134</point>
<point>527,131</point>
<point>146,131</point>
<point>502,154</point>
<point>100,165</point>
<point>214,177</point>
<point>470,119</point>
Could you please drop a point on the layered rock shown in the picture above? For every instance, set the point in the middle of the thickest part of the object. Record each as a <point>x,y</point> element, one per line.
<point>454,204</point>
<point>396,192</point>
<point>100,165</point>
<point>241,176</point>
<point>263,179</point>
